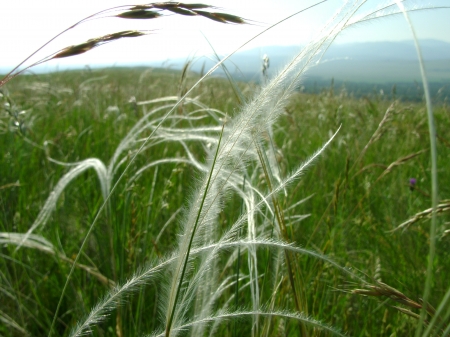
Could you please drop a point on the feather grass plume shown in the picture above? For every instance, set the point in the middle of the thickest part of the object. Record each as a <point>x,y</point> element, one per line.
<point>234,153</point>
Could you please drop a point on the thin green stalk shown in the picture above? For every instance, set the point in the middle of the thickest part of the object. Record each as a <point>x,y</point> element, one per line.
<point>238,93</point>
<point>437,316</point>
<point>266,326</point>
<point>180,283</point>
<point>236,291</point>
<point>266,270</point>
<point>144,249</point>
<point>434,178</point>
<point>278,213</point>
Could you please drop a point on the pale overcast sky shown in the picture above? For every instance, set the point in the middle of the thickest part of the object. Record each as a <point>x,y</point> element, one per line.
<point>27,24</point>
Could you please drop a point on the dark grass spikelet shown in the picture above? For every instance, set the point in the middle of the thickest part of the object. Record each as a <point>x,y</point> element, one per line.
<point>221,17</point>
<point>92,43</point>
<point>139,13</point>
<point>381,289</point>
<point>148,12</point>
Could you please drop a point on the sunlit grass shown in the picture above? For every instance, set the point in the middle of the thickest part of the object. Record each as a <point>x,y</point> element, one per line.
<point>215,228</point>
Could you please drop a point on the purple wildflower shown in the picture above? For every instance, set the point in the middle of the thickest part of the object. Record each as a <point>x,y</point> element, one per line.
<point>412,183</point>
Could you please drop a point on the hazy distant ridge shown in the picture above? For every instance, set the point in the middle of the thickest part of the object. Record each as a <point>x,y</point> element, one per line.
<point>390,51</point>
<point>377,62</point>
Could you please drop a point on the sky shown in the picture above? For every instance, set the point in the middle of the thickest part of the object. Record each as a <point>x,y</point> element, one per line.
<point>26,25</point>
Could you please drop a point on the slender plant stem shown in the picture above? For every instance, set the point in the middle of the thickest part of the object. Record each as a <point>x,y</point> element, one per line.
<point>278,213</point>
<point>236,291</point>
<point>434,177</point>
<point>197,220</point>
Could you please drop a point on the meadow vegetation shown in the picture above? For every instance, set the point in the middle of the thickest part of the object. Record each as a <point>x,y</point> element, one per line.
<point>226,221</point>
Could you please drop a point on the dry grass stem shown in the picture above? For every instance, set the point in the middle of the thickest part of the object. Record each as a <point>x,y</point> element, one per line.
<point>442,207</point>
<point>399,162</point>
<point>381,289</point>
<point>378,132</point>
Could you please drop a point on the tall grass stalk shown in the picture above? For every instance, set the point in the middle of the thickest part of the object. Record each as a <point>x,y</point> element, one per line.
<point>291,265</point>
<point>434,177</point>
<point>178,278</point>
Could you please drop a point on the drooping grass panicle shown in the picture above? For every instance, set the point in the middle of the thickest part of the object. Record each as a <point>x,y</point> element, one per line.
<point>75,171</point>
<point>33,241</point>
<point>224,316</point>
<point>434,320</point>
<point>442,207</point>
<point>106,174</point>
<point>91,44</point>
<point>39,243</point>
<point>11,323</point>
<point>114,297</point>
<point>148,11</point>
<point>142,276</point>
<point>153,270</point>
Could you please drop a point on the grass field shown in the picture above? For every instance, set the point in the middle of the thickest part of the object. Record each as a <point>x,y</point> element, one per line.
<point>127,213</point>
<point>352,202</point>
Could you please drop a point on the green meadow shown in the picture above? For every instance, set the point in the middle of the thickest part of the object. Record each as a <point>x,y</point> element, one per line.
<point>356,192</point>
<point>153,202</point>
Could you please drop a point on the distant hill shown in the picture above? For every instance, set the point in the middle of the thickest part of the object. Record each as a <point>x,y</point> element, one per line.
<point>361,67</point>
<point>391,51</point>
<point>370,62</point>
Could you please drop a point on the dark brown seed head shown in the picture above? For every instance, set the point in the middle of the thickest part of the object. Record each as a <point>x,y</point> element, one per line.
<point>221,17</point>
<point>195,6</point>
<point>139,14</point>
<point>166,5</point>
<point>182,11</point>
<point>211,16</point>
<point>229,18</point>
<point>92,43</point>
<point>75,50</point>
<point>119,35</point>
